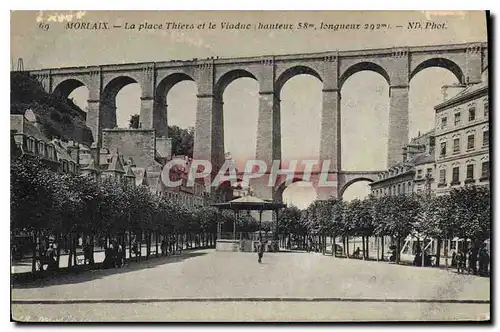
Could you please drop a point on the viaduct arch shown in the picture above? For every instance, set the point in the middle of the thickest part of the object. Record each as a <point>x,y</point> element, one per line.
<point>398,65</point>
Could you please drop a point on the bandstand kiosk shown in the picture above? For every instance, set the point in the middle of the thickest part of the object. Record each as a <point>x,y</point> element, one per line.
<point>247,203</point>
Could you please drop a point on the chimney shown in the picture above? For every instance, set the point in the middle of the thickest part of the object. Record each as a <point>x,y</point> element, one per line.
<point>405,153</point>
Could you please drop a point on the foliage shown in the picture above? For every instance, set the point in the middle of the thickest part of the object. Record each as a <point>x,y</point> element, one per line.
<point>182,140</point>
<point>59,116</point>
<point>134,121</point>
<point>465,212</point>
<point>65,204</point>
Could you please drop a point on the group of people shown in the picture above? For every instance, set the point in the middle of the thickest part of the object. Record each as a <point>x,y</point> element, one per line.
<point>49,258</point>
<point>114,255</point>
<point>419,255</point>
<point>474,256</point>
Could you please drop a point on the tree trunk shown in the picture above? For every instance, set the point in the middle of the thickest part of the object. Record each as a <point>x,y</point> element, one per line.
<point>363,245</point>
<point>382,245</point>
<point>35,247</point>
<point>70,251</point>
<point>129,244</point>
<point>438,252</point>
<point>347,246</point>
<point>75,257</point>
<point>423,252</point>
<point>398,248</point>
<point>334,250</point>
<point>366,247</point>
<point>58,251</point>
<point>157,234</point>
<point>148,244</point>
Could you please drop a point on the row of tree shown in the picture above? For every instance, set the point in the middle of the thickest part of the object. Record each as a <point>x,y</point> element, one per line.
<point>463,213</point>
<point>71,207</point>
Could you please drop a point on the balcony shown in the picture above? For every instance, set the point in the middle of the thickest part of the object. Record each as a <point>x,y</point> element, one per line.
<point>441,185</point>
<point>455,183</point>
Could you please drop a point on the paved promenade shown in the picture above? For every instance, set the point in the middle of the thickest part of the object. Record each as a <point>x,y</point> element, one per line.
<point>206,285</point>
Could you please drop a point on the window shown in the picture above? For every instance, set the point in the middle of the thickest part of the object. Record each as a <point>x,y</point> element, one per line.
<point>399,189</point>
<point>31,145</point>
<point>470,172</point>
<point>443,149</point>
<point>485,170</point>
<point>444,120</point>
<point>419,174</point>
<point>409,187</point>
<point>457,118</point>
<point>429,171</point>
<point>470,142</point>
<point>442,176</point>
<point>455,175</point>
<point>486,109</point>
<point>472,113</point>
<point>456,145</point>
<point>486,138</point>
<point>404,188</point>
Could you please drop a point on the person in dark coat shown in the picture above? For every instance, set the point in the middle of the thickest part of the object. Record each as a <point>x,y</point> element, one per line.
<point>460,261</point>
<point>473,261</point>
<point>260,250</point>
<point>484,260</point>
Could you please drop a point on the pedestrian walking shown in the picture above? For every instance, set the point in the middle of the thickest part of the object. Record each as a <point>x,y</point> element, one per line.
<point>88,254</point>
<point>260,250</point>
<point>460,262</point>
<point>484,260</point>
<point>120,255</point>
<point>473,260</point>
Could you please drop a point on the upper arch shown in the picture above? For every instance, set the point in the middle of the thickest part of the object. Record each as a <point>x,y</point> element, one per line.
<point>362,66</point>
<point>280,189</point>
<point>351,182</point>
<point>229,77</point>
<point>170,81</point>
<point>441,63</point>
<point>65,87</point>
<point>294,71</point>
<point>115,85</point>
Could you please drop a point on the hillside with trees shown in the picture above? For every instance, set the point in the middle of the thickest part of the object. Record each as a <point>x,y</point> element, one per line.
<point>59,117</point>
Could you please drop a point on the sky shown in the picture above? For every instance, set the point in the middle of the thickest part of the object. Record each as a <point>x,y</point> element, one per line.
<point>365,95</point>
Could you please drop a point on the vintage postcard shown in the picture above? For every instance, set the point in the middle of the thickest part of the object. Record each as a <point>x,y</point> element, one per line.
<point>249,166</point>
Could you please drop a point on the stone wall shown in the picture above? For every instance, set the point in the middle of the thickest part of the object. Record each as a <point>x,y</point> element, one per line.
<point>139,144</point>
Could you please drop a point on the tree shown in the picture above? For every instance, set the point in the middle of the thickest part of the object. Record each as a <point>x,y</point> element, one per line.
<point>470,210</point>
<point>182,140</point>
<point>288,222</point>
<point>134,121</point>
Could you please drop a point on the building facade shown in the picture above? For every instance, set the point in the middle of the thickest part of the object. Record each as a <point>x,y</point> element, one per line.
<point>463,138</point>
<point>414,174</point>
<point>31,142</point>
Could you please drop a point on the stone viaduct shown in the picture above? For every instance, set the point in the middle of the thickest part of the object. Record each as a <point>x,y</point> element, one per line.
<point>398,65</point>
